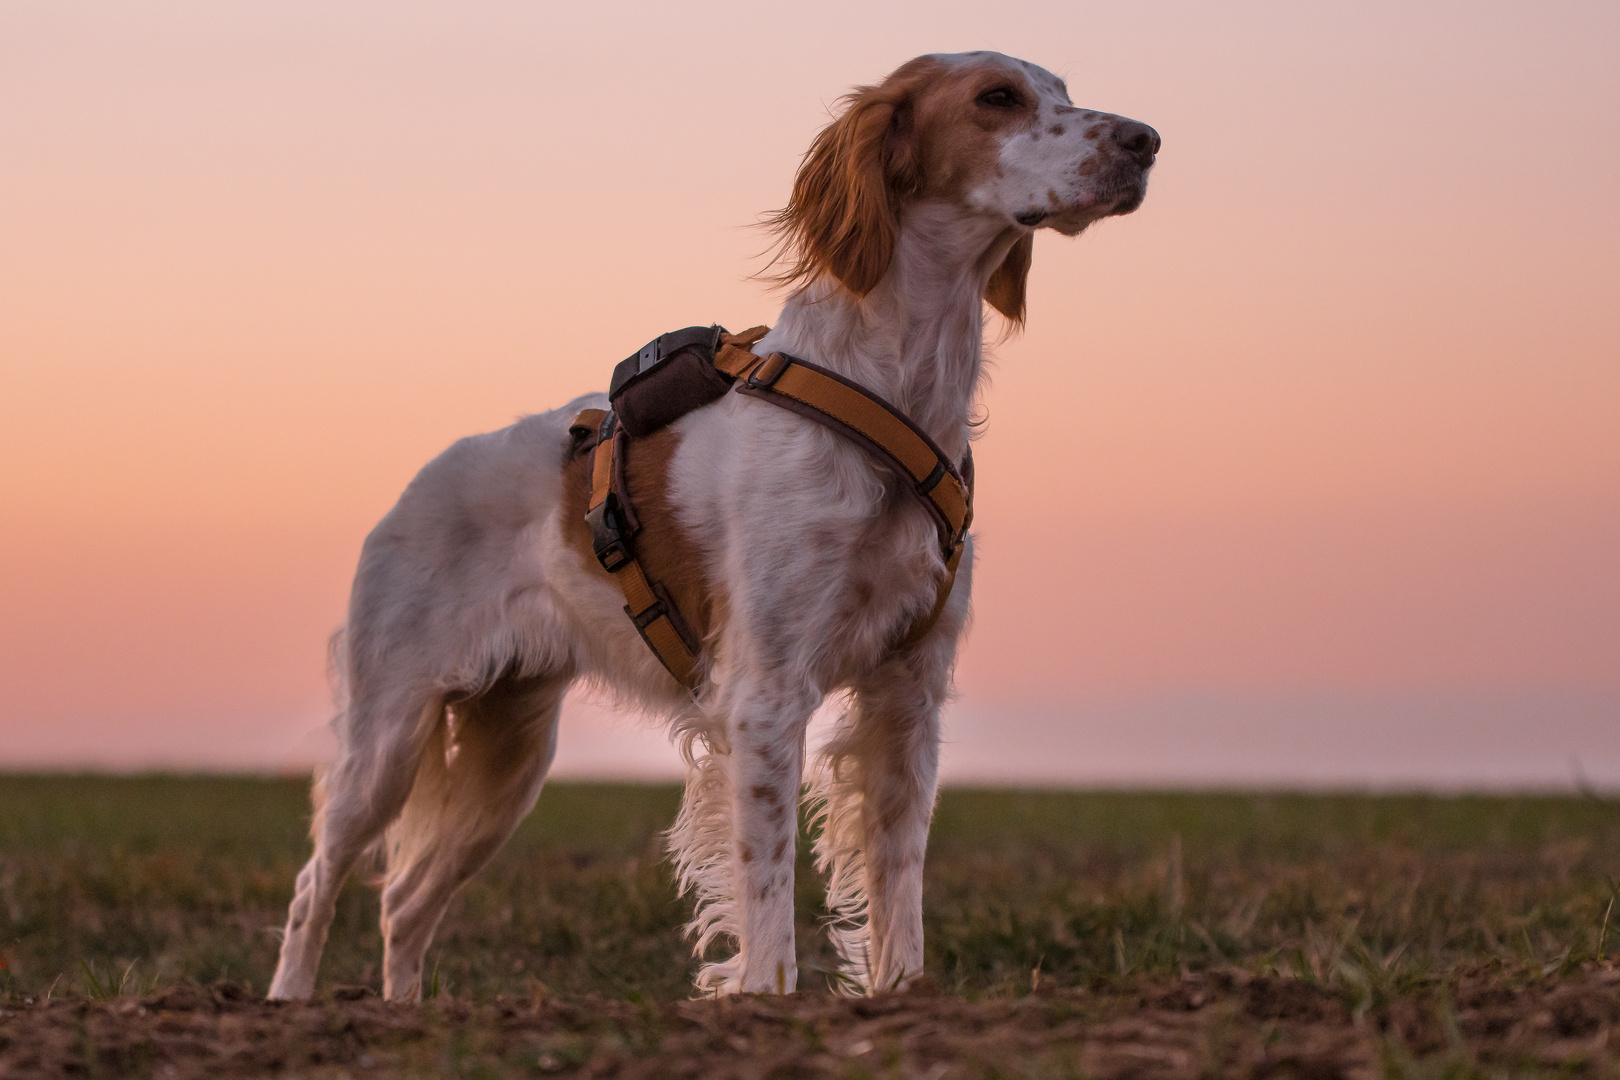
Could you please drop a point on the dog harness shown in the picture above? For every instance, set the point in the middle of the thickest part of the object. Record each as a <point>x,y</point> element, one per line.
<point>687,369</point>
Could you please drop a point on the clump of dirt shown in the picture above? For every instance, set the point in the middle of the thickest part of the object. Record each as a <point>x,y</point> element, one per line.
<point>1223,1023</point>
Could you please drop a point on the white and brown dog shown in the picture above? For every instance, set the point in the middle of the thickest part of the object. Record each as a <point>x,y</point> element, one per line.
<point>473,612</point>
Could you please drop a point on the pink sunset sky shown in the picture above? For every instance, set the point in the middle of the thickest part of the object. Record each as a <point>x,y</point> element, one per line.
<point>1306,473</point>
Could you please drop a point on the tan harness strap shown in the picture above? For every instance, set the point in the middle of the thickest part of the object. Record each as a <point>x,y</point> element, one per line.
<point>861,416</point>
<point>646,602</point>
<point>733,357</point>
<point>817,394</point>
<point>920,628</point>
<point>586,423</point>
<point>835,402</point>
<point>601,463</point>
<point>930,471</point>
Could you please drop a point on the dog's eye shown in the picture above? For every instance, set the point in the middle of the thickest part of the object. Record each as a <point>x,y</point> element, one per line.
<point>1000,98</point>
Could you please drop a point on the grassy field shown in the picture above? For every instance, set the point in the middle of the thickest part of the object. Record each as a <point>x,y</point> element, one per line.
<point>1374,908</point>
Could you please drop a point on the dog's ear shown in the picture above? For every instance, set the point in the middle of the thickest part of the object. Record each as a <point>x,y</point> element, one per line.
<point>1005,290</point>
<point>843,218</point>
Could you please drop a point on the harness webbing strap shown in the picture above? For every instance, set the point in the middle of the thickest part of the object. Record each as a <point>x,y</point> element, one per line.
<point>648,605</point>
<point>817,394</point>
<point>734,357</point>
<point>653,615</point>
<point>920,628</point>
<point>833,401</point>
<point>932,475</point>
<point>601,466</point>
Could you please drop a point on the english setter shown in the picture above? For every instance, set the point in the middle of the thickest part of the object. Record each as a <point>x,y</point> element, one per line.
<point>472,615</point>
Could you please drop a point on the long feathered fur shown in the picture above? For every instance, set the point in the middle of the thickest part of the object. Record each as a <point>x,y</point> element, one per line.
<point>474,608</point>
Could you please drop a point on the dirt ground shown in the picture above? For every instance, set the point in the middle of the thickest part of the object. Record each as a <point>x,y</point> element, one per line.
<point>1217,1024</point>
<point>1099,934</point>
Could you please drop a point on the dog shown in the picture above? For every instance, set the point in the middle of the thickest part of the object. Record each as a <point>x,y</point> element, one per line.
<point>472,613</point>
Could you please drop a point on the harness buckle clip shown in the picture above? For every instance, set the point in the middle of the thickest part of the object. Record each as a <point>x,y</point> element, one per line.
<point>767,371</point>
<point>607,539</point>
<point>646,618</point>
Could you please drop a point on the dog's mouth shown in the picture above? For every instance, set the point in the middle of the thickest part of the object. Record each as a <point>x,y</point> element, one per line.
<point>1120,193</point>
<point>1129,200</point>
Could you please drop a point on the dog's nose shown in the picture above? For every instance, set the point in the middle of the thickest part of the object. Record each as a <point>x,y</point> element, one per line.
<point>1137,140</point>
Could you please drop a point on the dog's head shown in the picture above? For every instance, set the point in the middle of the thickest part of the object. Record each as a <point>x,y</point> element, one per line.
<point>992,136</point>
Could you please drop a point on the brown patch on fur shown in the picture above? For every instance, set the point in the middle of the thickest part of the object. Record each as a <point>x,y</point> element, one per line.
<point>890,813</point>
<point>668,553</point>
<point>746,854</point>
<point>1094,132</point>
<point>843,215</point>
<point>1089,166</point>
<point>1005,290</point>
<point>919,134</point>
<point>1056,129</point>
<point>666,550</point>
<point>763,791</point>
<point>576,494</point>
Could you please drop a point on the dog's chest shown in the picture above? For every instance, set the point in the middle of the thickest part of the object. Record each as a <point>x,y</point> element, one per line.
<point>775,543</point>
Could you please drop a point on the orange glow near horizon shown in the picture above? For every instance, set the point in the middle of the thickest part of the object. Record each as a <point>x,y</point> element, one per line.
<point>1336,412</point>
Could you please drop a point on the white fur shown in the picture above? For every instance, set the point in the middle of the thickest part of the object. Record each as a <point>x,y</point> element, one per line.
<point>471,617</point>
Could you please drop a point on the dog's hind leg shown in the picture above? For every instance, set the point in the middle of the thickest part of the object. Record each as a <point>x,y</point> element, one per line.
<point>382,740</point>
<point>478,779</point>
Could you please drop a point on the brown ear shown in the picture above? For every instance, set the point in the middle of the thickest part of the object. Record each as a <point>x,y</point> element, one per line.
<point>843,217</point>
<point>1005,290</point>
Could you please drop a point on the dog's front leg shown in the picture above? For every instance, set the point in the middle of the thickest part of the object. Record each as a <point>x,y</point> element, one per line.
<point>873,788</point>
<point>766,731</point>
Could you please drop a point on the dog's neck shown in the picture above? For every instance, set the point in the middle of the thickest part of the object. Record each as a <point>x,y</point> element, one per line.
<point>916,340</point>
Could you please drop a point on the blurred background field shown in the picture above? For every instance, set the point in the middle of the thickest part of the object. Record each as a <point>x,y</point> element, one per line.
<point>115,886</point>
<point>1328,432</point>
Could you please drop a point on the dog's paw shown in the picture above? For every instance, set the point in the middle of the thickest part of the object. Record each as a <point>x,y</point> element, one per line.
<point>724,977</point>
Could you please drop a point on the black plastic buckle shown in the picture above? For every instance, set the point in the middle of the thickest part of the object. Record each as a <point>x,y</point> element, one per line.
<point>607,539</point>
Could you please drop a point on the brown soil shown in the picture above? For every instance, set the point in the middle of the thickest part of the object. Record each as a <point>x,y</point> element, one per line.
<point>1225,1024</point>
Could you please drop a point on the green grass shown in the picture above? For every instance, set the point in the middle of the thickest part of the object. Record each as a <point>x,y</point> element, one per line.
<point>118,886</point>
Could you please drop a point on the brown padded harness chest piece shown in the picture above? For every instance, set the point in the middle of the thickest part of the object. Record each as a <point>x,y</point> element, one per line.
<point>815,393</point>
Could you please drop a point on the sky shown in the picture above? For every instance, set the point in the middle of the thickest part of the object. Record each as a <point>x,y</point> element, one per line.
<point>1320,448</point>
